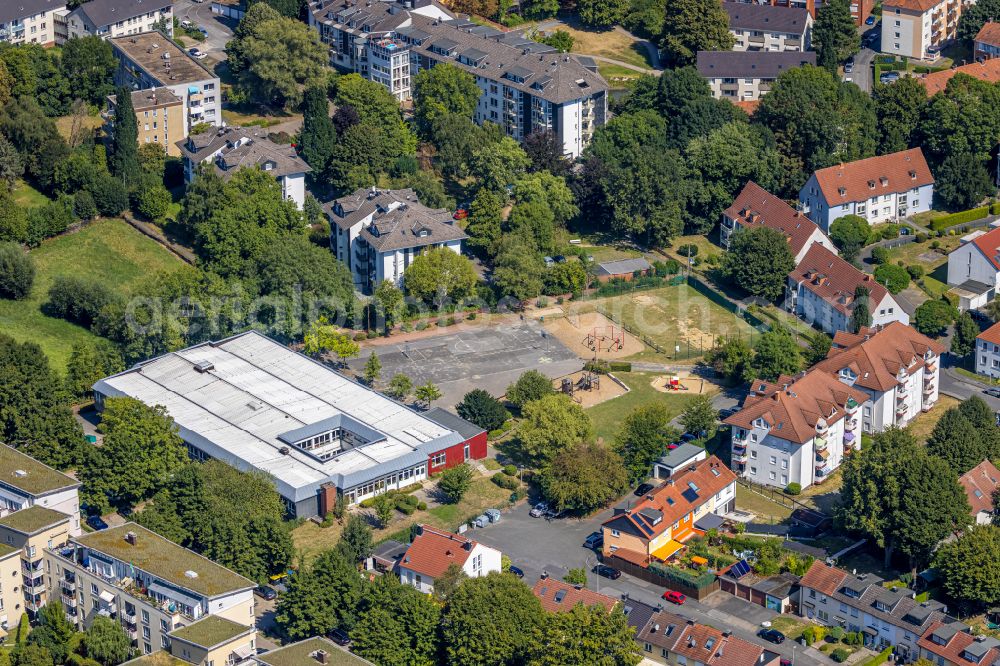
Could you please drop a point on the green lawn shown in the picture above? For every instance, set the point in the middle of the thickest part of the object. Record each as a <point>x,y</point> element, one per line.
<point>617,76</point>
<point>28,197</point>
<point>107,250</point>
<point>608,416</point>
<point>766,510</point>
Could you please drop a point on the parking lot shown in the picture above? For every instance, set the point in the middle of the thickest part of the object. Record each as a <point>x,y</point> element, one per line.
<point>487,358</point>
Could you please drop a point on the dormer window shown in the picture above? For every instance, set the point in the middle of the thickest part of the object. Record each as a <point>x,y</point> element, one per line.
<point>871,184</point>
<point>882,606</point>
<point>913,175</point>
<point>968,656</point>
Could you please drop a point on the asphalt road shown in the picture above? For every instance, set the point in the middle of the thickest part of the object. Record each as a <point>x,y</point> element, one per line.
<point>863,70</point>
<point>537,545</point>
<point>962,388</point>
<point>220,30</point>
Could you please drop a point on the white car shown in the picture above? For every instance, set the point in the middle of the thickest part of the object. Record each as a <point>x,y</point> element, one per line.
<point>197,53</point>
<point>539,510</point>
<point>187,24</point>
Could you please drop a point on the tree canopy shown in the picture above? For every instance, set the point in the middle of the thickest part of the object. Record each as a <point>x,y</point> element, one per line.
<point>759,261</point>
<point>443,90</point>
<point>584,477</point>
<point>551,425</point>
<point>690,26</point>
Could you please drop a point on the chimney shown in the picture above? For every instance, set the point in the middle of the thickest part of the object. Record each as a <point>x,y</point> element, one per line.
<point>321,656</point>
<point>131,538</point>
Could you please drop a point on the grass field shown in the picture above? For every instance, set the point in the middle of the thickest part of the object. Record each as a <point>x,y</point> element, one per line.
<point>608,44</point>
<point>923,424</point>
<point>28,197</point>
<point>617,76</point>
<point>673,317</point>
<point>107,250</point>
<point>608,416</point>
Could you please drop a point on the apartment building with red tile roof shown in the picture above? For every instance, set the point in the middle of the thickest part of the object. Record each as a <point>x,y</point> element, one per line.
<point>879,189</point>
<point>986,44</point>
<point>755,206</point>
<point>988,352</point>
<point>659,524</point>
<point>433,551</point>
<point>822,288</point>
<point>557,596</point>
<point>980,483</point>
<point>986,71</point>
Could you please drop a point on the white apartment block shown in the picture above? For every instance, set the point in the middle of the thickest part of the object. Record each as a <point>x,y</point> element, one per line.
<point>744,76</point>
<point>974,269</point>
<point>919,28</point>
<point>150,60</point>
<point>527,87</point>
<point>758,27</point>
<point>118,18</point>
<point>432,551</point>
<point>822,288</point>
<point>879,189</point>
<point>148,584</point>
<point>378,233</point>
<point>988,352</point>
<point>33,22</point>
<point>25,482</point>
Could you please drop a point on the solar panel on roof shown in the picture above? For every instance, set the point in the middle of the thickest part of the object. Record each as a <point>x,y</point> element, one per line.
<point>740,569</point>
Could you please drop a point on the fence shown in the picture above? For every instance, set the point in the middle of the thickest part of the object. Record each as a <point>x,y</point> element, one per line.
<point>651,576</point>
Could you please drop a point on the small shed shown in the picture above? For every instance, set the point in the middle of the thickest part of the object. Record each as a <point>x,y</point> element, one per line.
<point>386,555</point>
<point>623,269</point>
<point>678,458</point>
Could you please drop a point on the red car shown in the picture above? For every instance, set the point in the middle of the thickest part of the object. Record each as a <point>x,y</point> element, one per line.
<point>461,214</point>
<point>674,597</point>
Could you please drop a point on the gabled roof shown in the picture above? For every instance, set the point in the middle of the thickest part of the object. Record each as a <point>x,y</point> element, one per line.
<point>913,5</point>
<point>792,407</point>
<point>22,9</point>
<point>755,206</point>
<point>766,18</point>
<point>864,179</point>
<point>238,147</point>
<point>623,266</point>
<point>958,640</point>
<point>992,334</point>
<point>834,279</point>
<point>433,551</point>
<point>980,483</point>
<point>989,34</point>
<point>875,356</point>
<point>559,597</point>
<point>682,493</point>
<point>989,242</point>
<point>750,64</point>
<point>988,71</point>
<point>106,12</point>
<point>699,642</point>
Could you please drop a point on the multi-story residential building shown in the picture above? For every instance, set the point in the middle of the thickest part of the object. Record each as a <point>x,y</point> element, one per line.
<point>11,596</point>
<point>769,28</point>
<point>25,482</point>
<point>659,524</point>
<point>233,148</point>
<point>919,28</point>
<point>257,405</point>
<point>808,5</point>
<point>822,290</point>
<point>755,206</point>
<point>980,485</point>
<point>117,18</point>
<point>432,551</point>
<point>988,352</point>
<point>150,60</point>
<point>33,22</point>
<point>859,603</point>
<point>211,641</point>
<point>879,189</point>
<point>974,268</point>
<point>527,87</point>
<point>894,364</point>
<point>159,117</point>
<point>378,233</point>
<point>746,76</point>
<point>949,642</point>
<point>30,531</point>
<point>674,640</point>
<point>986,71</point>
<point>986,45</point>
<point>795,430</point>
<point>149,584</point>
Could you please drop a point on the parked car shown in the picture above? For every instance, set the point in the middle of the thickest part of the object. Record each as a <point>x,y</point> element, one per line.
<point>538,510</point>
<point>848,67</point>
<point>187,25</point>
<point>675,597</point>
<point>772,636</point>
<point>552,514</point>
<point>265,592</point>
<point>97,523</point>
<point>461,214</point>
<point>888,77</point>
<point>643,489</point>
<point>688,437</point>
<point>992,392</point>
<point>594,540</point>
<point>516,571</point>
<point>197,53</point>
<point>727,412</point>
<point>340,637</point>
<point>870,20</point>
<point>605,571</point>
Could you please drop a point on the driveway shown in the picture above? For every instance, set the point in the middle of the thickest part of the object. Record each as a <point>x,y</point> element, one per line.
<point>536,545</point>
<point>220,30</point>
<point>863,70</point>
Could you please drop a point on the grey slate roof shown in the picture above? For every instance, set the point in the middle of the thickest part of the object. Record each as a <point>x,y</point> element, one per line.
<point>750,64</point>
<point>350,209</point>
<point>766,18</point>
<point>20,9</point>
<point>623,267</point>
<point>106,12</point>
<point>256,150</point>
<point>411,226</point>
<point>446,419</point>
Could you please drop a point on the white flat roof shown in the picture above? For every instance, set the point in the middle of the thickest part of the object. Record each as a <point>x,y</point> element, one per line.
<point>256,389</point>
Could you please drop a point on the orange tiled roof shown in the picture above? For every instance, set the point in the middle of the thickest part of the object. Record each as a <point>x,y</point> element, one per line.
<point>989,243</point>
<point>988,71</point>
<point>557,596</point>
<point>913,5</point>
<point>992,334</point>
<point>980,483</point>
<point>876,355</point>
<point>989,34</point>
<point>823,578</point>
<point>834,279</point>
<point>756,206</point>
<point>956,644</point>
<point>701,643</point>
<point>433,551</point>
<point>863,179</point>
<point>748,105</point>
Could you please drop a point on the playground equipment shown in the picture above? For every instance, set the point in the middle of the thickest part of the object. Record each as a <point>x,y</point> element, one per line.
<point>587,382</point>
<point>605,338</point>
<point>675,384</point>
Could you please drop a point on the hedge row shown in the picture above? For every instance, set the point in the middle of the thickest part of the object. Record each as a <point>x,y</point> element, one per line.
<point>962,217</point>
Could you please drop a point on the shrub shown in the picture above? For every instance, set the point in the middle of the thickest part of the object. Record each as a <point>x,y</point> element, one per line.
<point>600,367</point>
<point>793,488</point>
<point>151,200</point>
<point>504,481</point>
<point>78,299</point>
<point>689,250</point>
<point>916,272</point>
<point>836,633</point>
<point>921,237</point>
<point>962,217</point>
<point>542,302</point>
<point>17,272</point>
<point>895,278</point>
<point>995,208</point>
<point>510,470</point>
<point>880,255</point>
<point>620,366</point>
<point>840,655</point>
<point>110,195</point>
<point>84,206</point>
<point>405,508</point>
<point>422,506</point>
<point>813,634</point>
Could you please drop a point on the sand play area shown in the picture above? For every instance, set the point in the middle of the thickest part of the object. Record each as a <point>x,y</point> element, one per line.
<point>686,384</point>
<point>587,389</point>
<point>591,333</point>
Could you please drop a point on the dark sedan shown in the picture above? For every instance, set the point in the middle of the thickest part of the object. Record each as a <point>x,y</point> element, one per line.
<point>772,636</point>
<point>607,572</point>
<point>516,571</point>
<point>265,592</point>
<point>340,637</point>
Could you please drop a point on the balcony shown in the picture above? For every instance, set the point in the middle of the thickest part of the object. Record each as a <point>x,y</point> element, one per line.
<point>819,443</point>
<point>68,600</point>
<point>928,388</point>
<point>133,634</point>
<point>821,427</point>
<point>850,425</point>
<point>851,407</point>
<point>902,390</point>
<point>129,617</point>
<point>34,585</point>
<point>740,457</point>
<point>930,373</point>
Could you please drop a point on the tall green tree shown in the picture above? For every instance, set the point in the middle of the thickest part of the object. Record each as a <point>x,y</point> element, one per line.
<point>124,149</point>
<point>731,359</point>
<point>551,425</point>
<point>898,107</point>
<point>11,165</point>
<point>482,409</point>
<point>587,636</point>
<point>356,541</point>
<point>963,119</point>
<point>491,621</point>
<point>518,269</point>
<point>90,64</point>
<point>442,90</point>
<point>961,182</point>
<point>602,13</point>
<point>643,437</point>
<point>972,19</point>
<point>679,87</point>
<point>303,610</point>
<point>861,313</point>
<point>90,362</point>
<point>934,317</point>
<point>498,164</point>
<point>776,354</point>
<point>933,506</point>
<point>957,441</point>
<point>484,222</point>
<point>700,417</point>
<point>690,26</point>
<point>317,138</point>
<point>530,386</point>
<point>440,275</point>
<point>759,261</point>
<point>850,233</point>
<point>106,642</point>
<point>17,272</point>
<point>963,342</point>
<point>969,566</point>
<point>584,477</point>
<point>455,482</point>
<point>397,626</point>
<point>835,37</point>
